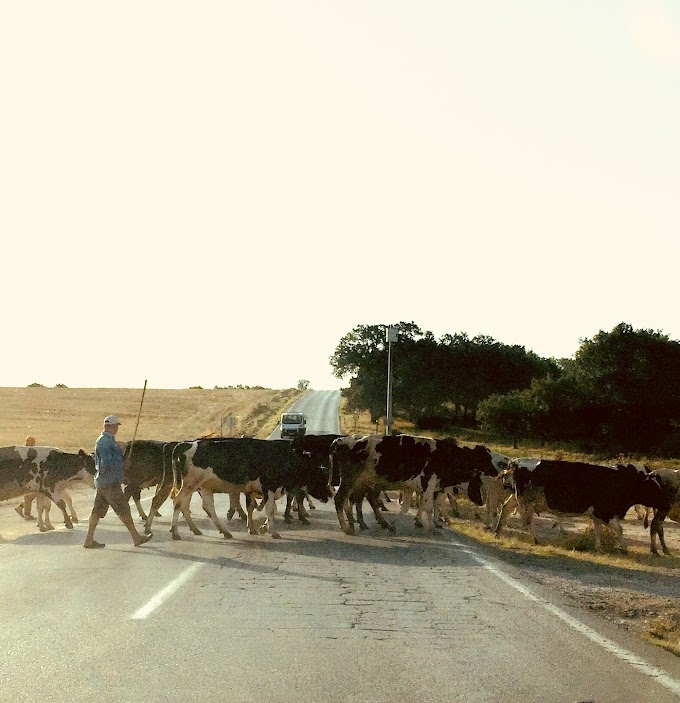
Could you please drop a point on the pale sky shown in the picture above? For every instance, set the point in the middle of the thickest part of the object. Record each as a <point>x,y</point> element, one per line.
<point>215,193</point>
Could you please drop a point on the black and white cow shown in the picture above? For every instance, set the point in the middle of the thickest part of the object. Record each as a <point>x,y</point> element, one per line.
<point>404,462</point>
<point>46,470</point>
<point>318,446</point>
<point>250,466</point>
<point>165,484</point>
<point>151,462</point>
<point>670,485</point>
<point>563,488</point>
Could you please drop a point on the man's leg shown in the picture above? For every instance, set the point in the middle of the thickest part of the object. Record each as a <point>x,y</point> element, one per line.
<point>121,506</point>
<point>99,509</point>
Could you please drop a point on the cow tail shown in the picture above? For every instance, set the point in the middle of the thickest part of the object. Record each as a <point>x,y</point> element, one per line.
<point>176,483</point>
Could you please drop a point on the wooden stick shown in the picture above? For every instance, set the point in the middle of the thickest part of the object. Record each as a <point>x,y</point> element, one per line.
<point>134,436</point>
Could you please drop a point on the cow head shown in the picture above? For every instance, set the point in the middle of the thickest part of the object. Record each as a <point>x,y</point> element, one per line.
<point>647,487</point>
<point>88,466</point>
<point>316,477</point>
<point>485,461</point>
<point>507,478</point>
<point>499,461</point>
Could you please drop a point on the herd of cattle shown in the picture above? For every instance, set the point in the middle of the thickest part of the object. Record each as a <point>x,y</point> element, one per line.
<point>349,469</point>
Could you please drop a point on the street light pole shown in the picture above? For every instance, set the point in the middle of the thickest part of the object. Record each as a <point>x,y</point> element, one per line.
<point>392,336</point>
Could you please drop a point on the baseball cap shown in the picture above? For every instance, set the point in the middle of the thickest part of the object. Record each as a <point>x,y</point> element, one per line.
<point>30,441</point>
<point>111,420</point>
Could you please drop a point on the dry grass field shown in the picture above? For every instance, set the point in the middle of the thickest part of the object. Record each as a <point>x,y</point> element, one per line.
<point>71,418</point>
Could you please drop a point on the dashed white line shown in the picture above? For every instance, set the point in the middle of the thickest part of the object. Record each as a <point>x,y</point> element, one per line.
<point>659,675</point>
<point>165,593</point>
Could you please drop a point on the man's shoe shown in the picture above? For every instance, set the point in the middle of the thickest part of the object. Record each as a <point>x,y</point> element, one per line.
<point>94,545</point>
<point>143,539</point>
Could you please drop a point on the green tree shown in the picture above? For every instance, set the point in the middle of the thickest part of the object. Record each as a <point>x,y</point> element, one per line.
<point>434,382</point>
<point>507,414</point>
<point>633,380</point>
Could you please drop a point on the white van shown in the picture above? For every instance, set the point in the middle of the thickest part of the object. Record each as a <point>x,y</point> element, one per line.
<point>293,425</point>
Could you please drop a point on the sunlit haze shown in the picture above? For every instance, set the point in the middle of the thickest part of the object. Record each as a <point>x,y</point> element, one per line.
<point>215,193</point>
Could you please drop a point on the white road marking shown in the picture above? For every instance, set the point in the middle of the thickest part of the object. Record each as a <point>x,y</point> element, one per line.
<point>161,596</point>
<point>659,675</point>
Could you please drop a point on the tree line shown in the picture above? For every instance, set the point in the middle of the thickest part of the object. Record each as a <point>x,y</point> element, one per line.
<point>619,393</point>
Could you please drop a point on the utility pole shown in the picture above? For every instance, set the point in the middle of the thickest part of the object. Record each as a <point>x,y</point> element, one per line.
<point>392,336</point>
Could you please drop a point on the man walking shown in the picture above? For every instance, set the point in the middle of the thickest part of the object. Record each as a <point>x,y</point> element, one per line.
<point>108,477</point>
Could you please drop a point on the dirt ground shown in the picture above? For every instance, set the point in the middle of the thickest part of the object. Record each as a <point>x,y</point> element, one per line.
<point>636,591</point>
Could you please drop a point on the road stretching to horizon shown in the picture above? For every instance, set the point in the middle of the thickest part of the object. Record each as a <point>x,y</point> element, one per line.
<point>317,614</point>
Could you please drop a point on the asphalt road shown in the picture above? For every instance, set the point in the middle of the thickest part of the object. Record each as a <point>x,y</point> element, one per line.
<point>321,409</point>
<point>315,615</point>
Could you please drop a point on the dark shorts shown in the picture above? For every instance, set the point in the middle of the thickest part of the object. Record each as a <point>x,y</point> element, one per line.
<point>113,496</point>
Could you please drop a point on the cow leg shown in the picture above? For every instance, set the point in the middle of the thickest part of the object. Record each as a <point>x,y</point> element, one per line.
<point>251,504</point>
<point>529,522</point>
<point>615,524</point>
<point>427,502</point>
<point>406,500</point>
<point>259,527</point>
<point>43,504</point>
<point>185,507</point>
<point>655,529</point>
<point>373,500</point>
<point>597,533</point>
<point>350,509</point>
<point>181,503</point>
<point>418,521</point>
<point>162,493</point>
<point>381,499</point>
<point>57,498</point>
<point>295,501</point>
<point>270,512</point>
<point>69,507</point>
<point>438,510</point>
<point>509,505</point>
<point>302,513</point>
<point>358,501</point>
<point>494,498</point>
<point>24,508</point>
<point>235,506</point>
<point>208,499</point>
<point>135,492</point>
<point>287,518</point>
<point>341,499</point>
<point>453,503</point>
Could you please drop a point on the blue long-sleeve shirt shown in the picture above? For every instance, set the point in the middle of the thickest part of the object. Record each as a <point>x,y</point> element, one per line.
<point>108,459</point>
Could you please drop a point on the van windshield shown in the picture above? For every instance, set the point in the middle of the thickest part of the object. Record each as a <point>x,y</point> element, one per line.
<point>292,418</point>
